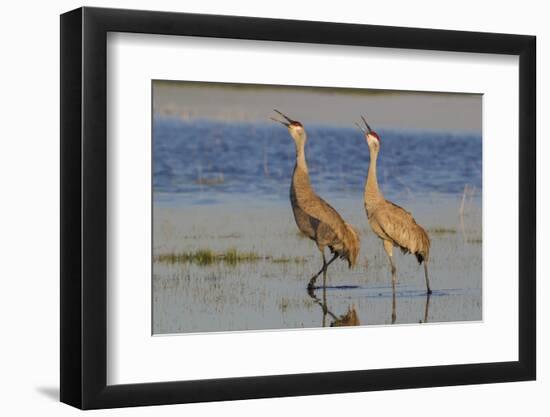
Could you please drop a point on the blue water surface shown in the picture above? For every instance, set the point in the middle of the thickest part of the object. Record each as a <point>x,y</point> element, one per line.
<point>203,162</point>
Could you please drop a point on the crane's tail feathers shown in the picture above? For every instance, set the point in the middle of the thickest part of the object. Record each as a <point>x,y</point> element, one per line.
<point>352,244</point>
<point>423,253</point>
<point>418,244</point>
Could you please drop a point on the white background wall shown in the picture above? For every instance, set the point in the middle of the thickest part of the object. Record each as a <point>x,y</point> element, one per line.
<point>29,225</point>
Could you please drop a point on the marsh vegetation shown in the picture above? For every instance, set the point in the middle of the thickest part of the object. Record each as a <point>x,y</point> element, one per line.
<point>230,256</point>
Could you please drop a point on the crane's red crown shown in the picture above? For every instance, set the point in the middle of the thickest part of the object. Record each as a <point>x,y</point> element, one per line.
<point>373,133</point>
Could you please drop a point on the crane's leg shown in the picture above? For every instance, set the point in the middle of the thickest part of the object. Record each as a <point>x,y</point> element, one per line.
<point>325,308</point>
<point>388,247</point>
<point>311,284</point>
<point>328,263</point>
<point>393,307</point>
<point>426,275</point>
<point>427,309</point>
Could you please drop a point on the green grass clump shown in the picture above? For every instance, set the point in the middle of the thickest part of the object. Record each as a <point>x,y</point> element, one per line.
<point>205,257</point>
<point>477,240</point>
<point>442,231</point>
<point>285,260</point>
<point>201,257</point>
<point>232,256</point>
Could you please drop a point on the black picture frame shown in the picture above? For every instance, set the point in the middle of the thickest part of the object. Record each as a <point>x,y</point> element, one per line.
<point>84,207</point>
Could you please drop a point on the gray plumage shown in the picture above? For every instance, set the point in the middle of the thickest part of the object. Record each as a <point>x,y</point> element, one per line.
<point>319,221</point>
<point>314,217</point>
<point>391,223</point>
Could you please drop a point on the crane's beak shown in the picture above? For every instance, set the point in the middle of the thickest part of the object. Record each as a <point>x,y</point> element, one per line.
<point>366,124</point>
<point>289,120</point>
<point>361,128</point>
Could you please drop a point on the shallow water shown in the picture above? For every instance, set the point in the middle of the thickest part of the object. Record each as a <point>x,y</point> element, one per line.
<point>208,196</point>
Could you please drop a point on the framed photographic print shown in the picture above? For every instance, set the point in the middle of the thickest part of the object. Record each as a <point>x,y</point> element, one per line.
<point>257,207</point>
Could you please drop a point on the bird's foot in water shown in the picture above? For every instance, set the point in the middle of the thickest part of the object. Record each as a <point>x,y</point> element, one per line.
<point>429,291</point>
<point>311,287</point>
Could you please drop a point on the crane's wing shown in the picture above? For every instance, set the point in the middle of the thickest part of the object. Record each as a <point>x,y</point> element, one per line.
<point>319,209</point>
<point>400,226</point>
<point>314,206</point>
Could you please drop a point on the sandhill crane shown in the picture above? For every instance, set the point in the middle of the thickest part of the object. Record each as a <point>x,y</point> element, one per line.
<point>314,217</point>
<point>394,225</point>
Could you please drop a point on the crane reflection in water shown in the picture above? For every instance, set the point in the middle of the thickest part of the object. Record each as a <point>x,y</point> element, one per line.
<point>351,317</point>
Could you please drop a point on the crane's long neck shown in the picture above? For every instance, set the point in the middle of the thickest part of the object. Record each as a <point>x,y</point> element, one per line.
<point>301,157</point>
<point>300,187</point>
<point>372,192</point>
